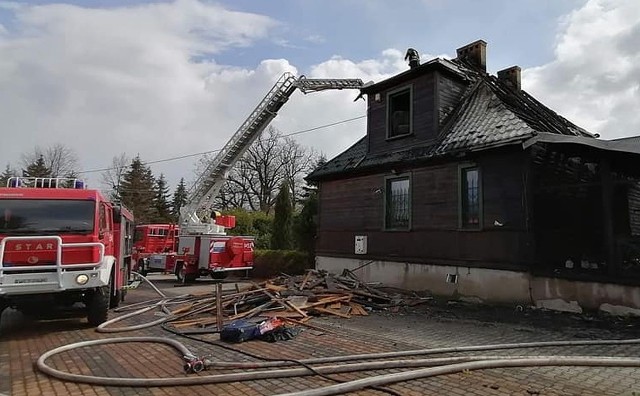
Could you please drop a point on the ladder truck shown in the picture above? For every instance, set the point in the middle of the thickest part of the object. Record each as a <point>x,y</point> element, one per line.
<point>61,243</point>
<point>203,246</point>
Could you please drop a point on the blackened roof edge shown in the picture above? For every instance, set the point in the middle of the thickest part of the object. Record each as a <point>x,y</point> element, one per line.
<point>608,145</point>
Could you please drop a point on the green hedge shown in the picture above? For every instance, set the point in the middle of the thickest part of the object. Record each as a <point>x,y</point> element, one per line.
<point>268,263</point>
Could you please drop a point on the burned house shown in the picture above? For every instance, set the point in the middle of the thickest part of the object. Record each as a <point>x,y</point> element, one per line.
<point>467,186</point>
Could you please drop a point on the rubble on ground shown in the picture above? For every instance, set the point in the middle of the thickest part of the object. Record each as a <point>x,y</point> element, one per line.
<point>294,299</point>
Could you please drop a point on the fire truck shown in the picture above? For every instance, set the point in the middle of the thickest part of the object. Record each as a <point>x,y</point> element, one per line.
<point>61,243</point>
<point>204,248</point>
<point>154,247</point>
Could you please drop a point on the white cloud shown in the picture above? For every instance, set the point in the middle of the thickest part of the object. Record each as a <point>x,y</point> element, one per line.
<point>595,77</point>
<point>105,81</point>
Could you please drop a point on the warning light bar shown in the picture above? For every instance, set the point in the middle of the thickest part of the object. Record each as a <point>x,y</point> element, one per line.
<point>46,182</point>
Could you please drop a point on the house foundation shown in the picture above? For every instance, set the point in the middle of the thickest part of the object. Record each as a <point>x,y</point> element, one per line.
<point>493,286</point>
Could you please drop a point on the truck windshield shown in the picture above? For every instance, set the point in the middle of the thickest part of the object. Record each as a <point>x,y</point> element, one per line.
<point>30,216</point>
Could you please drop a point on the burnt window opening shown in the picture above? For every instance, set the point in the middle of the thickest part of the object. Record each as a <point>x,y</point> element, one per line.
<point>398,204</point>
<point>470,198</point>
<point>399,113</point>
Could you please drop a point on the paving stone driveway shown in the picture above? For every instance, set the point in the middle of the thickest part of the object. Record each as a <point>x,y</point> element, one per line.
<point>23,340</point>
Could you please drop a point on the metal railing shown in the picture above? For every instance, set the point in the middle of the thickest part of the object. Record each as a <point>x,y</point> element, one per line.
<point>58,265</point>
<point>46,182</point>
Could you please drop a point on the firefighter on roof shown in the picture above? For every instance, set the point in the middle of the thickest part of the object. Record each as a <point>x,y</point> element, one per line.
<point>413,57</point>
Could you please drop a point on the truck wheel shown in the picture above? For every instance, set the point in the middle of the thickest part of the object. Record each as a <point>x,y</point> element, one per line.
<point>142,270</point>
<point>180,272</point>
<point>219,274</point>
<point>98,305</point>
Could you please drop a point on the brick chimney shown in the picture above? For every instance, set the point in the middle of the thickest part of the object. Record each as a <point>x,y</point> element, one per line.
<point>474,53</point>
<point>511,77</point>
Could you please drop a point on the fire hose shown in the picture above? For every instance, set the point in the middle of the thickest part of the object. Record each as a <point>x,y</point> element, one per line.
<point>482,364</point>
<point>445,365</point>
<point>149,305</point>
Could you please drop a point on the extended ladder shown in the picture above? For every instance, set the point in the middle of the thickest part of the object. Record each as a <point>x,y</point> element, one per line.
<point>211,180</point>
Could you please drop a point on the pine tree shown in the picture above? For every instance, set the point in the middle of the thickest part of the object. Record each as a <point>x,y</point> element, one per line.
<point>37,169</point>
<point>4,177</point>
<point>161,202</point>
<point>179,199</point>
<point>281,229</point>
<point>71,175</point>
<point>305,224</point>
<point>138,192</point>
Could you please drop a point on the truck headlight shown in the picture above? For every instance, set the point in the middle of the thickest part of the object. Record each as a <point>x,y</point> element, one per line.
<point>82,279</point>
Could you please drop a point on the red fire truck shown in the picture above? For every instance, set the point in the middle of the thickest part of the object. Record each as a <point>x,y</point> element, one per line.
<point>62,243</point>
<point>154,247</point>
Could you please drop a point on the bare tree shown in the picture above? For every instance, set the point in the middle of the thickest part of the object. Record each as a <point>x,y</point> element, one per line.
<point>234,193</point>
<point>264,162</point>
<point>254,180</point>
<point>112,177</point>
<point>61,160</point>
<point>298,161</point>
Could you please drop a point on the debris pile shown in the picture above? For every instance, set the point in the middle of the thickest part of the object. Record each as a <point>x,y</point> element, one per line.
<point>294,299</point>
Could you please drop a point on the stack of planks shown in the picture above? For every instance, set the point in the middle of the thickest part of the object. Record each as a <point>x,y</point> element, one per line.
<point>295,299</point>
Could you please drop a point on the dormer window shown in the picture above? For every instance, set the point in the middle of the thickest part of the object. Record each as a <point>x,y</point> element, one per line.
<point>399,112</point>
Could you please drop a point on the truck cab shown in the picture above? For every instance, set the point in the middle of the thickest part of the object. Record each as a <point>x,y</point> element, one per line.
<point>63,243</point>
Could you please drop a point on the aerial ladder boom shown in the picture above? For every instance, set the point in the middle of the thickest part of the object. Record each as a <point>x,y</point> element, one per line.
<point>209,183</point>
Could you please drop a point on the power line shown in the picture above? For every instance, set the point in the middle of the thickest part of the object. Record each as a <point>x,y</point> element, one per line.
<point>217,150</point>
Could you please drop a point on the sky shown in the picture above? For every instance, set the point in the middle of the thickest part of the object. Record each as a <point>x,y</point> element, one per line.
<point>165,79</point>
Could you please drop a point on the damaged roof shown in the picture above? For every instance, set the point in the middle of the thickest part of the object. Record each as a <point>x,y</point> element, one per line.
<point>490,114</point>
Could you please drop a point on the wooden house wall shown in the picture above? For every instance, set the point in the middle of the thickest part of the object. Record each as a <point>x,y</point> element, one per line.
<point>634,208</point>
<point>355,206</point>
<point>423,112</point>
<point>450,90</point>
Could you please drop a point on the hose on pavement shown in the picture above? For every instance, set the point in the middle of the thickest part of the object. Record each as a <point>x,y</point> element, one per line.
<point>444,366</point>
